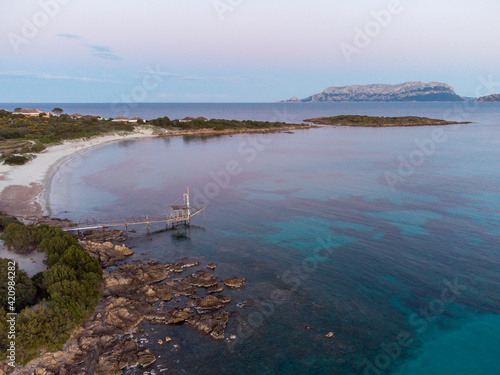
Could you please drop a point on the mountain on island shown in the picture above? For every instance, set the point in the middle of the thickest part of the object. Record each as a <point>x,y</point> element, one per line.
<point>404,92</point>
<point>489,98</point>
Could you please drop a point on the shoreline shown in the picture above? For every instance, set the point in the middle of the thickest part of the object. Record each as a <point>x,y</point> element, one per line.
<point>24,189</point>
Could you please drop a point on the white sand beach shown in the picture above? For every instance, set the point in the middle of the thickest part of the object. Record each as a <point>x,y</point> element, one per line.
<point>22,187</point>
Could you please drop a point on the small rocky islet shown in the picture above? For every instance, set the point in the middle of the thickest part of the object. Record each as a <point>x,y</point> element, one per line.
<point>134,293</point>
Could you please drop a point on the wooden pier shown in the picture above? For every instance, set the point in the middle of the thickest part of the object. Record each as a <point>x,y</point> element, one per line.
<point>178,215</point>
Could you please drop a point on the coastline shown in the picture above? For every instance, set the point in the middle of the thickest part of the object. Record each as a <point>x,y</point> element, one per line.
<point>24,189</point>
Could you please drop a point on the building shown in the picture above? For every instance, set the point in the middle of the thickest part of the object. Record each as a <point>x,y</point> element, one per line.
<point>76,115</point>
<point>121,119</point>
<point>28,112</point>
<point>136,119</point>
<point>202,118</point>
<point>186,119</point>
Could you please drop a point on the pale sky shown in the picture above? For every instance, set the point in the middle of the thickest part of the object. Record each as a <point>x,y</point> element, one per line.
<point>239,50</point>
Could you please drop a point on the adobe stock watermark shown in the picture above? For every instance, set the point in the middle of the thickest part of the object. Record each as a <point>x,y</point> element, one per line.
<point>293,279</point>
<point>220,180</point>
<point>460,112</point>
<point>150,81</point>
<point>363,37</point>
<point>31,26</point>
<point>415,159</point>
<point>420,322</point>
<point>223,6</point>
<point>248,149</point>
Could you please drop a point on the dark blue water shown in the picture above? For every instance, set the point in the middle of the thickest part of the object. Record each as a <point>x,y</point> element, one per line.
<point>386,237</point>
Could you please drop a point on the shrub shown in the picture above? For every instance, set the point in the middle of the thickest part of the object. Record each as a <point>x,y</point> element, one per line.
<point>25,288</point>
<point>16,160</point>
<point>38,147</point>
<point>70,288</point>
<point>5,220</point>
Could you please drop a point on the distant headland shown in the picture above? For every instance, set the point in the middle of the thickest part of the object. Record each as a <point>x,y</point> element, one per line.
<point>404,92</point>
<point>489,98</point>
<point>380,122</point>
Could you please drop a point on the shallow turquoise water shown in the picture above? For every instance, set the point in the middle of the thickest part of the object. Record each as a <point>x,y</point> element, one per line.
<point>313,215</point>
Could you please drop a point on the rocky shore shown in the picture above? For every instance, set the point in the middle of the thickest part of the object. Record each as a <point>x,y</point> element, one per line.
<point>136,293</point>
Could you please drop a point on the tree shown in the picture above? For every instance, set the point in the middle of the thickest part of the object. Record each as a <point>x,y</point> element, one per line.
<point>25,290</point>
<point>17,109</point>
<point>57,111</point>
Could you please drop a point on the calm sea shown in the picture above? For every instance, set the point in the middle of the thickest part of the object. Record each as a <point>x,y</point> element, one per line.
<point>386,237</point>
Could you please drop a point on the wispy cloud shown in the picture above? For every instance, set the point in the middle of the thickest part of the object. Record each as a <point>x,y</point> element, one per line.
<point>198,78</point>
<point>103,52</point>
<point>48,76</point>
<point>70,36</point>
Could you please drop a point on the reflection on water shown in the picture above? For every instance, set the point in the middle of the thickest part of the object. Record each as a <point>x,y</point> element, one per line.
<point>311,215</point>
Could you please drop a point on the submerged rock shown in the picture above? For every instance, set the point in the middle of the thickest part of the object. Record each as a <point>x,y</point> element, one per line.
<point>209,303</point>
<point>212,325</point>
<point>131,292</point>
<point>201,279</point>
<point>146,358</point>
<point>217,288</point>
<point>212,266</point>
<point>235,282</point>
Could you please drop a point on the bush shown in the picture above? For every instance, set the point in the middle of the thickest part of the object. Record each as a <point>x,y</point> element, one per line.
<point>20,238</point>
<point>16,160</point>
<point>70,288</point>
<point>38,147</point>
<point>5,220</point>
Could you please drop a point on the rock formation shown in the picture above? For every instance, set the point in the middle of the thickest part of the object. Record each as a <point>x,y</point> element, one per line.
<point>405,92</point>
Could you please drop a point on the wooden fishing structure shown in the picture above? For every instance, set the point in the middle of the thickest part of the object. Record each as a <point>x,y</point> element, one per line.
<point>178,215</point>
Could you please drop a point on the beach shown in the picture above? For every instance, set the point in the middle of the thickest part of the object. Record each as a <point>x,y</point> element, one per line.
<point>23,189</point>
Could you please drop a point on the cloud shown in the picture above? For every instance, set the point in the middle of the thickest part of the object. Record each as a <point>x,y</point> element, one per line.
<point>48,76</point>
<point>103,52</point>
<point>196,78</point>
<point>70,36</point>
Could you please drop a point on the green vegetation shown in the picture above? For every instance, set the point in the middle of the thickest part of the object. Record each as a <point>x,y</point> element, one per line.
<point>16,160</point>
<point>162,122</point>
<point>66,293</point>
<point>5,220</point>
<point>219,125</point>
<point>25,287</point>
<point>22,137</point>
<point>57,111</point>
<point>54,129</point>
<point>371,121</point>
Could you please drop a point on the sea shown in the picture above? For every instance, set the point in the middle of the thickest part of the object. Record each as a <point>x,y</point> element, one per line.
<point>386,237</point>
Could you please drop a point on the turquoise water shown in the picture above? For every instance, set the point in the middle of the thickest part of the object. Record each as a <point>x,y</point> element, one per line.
<point>401,263</point>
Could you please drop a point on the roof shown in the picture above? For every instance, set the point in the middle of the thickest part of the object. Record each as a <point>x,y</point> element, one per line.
<point>136,118</point>
<point>29,111</point>
<point>188,118</point>
<point>121,118</point>
<point>202,118</point>
<point>180,207</point>
<point>76,115</point>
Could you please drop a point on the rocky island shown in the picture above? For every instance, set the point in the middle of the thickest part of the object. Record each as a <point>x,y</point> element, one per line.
<point>489,99</point>
<point>379,122</point>
<point>404,92</point>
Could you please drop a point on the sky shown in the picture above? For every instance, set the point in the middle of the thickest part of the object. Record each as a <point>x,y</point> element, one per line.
<point>240,50</point>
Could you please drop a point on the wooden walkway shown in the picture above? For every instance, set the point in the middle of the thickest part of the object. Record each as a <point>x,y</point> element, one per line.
<point>179,215</point>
